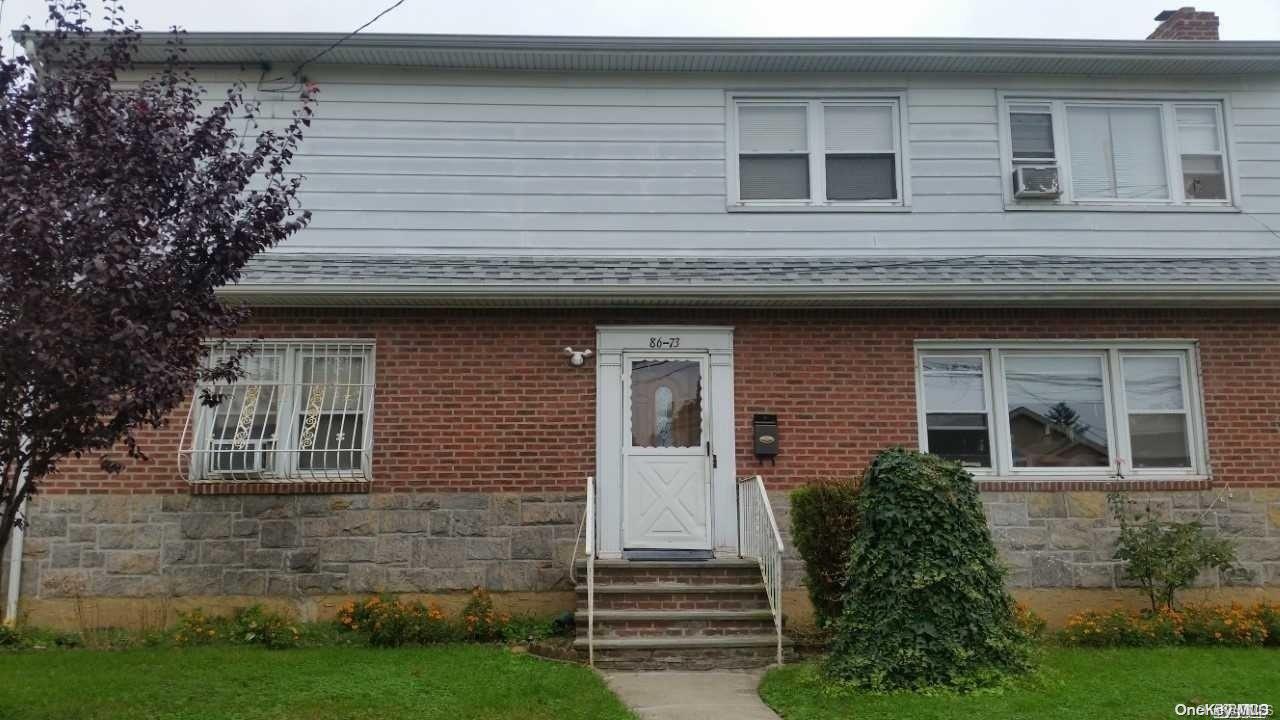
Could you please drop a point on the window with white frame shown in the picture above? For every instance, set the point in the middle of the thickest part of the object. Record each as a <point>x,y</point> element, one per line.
<point>799,152</point>
<point>1054,408</point>
<point>1139,152</point>
<point>301,410</point>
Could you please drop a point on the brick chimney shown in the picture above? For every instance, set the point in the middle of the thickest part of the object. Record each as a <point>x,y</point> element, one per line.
<point>1185,24</point>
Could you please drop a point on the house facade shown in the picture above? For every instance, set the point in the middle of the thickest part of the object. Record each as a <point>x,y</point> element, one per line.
<point>1056,262</point>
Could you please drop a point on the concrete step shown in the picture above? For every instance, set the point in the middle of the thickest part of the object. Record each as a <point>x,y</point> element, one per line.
<point>676,623</point>
<point>686,653</point>
<point>608,615</point>
<point>666,596</point>
<point>682,643</point>
<point>720,571</point>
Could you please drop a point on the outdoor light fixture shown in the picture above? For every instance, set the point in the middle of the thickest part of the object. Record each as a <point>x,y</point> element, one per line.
<point>577,357</point>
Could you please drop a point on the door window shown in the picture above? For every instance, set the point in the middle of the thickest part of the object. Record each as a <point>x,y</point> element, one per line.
<point>666,403</point>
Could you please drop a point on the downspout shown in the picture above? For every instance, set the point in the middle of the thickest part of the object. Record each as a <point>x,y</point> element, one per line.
<point>14,583</point>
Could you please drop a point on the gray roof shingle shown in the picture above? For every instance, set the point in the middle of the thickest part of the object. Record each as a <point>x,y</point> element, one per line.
<point>978,277</point>
<point>314,270</point>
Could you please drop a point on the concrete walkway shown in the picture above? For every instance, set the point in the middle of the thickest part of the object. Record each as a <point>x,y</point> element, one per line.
<point>727,695</point>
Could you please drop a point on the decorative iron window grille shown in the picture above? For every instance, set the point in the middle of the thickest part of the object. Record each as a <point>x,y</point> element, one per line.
<point>302,411</point>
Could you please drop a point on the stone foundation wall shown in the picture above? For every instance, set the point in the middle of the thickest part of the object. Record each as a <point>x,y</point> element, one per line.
<point>139,546</point>
<point>1065,540</point>
<point>308,550</point>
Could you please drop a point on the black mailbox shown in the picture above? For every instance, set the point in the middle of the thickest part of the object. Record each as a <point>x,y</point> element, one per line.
<point>765,432</point>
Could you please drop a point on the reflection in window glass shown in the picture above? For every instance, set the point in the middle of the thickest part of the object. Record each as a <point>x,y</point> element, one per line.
<point>956,414</point>
<point>1057,410</point>
<point>1156,404</point>
<point>666,403</point>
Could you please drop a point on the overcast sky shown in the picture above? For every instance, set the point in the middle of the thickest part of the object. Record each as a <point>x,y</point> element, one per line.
<point>1123,19</point>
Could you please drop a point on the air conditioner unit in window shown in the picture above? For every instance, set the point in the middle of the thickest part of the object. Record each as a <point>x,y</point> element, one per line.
<point>1036,181</point>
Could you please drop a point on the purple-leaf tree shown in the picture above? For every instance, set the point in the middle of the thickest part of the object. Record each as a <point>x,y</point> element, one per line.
<point>127,198</point>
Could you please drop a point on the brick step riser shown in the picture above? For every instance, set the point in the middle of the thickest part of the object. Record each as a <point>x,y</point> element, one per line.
<point>677,628</point>
<point>691,659</point>
<point>750,600</point>
<point>710,576</point>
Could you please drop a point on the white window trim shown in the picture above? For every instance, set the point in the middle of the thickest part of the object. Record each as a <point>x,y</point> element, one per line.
<point>1058,102</point>
<point>287,471</point>
<point>896,100</point>
<point>993,353</point>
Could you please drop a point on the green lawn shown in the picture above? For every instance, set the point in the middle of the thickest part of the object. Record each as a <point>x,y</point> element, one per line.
<point>320,683</point>
<point>1072,684</point>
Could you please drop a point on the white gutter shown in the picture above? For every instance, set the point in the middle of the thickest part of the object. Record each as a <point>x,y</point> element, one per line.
<point>757,295</point>
<point>746,54</point>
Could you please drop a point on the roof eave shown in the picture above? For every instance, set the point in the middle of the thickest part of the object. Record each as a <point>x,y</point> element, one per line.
<point>1113,295</point>
<point>571,53</point>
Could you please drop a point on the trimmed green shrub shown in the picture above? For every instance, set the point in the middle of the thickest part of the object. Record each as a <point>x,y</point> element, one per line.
<point>926,604</point>
<point>1165,557</point>
<point>824,516</point>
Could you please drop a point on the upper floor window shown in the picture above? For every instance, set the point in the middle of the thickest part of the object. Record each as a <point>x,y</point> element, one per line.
<point>1118,152</point>
<point>816,153</point>
<point>301,410</point>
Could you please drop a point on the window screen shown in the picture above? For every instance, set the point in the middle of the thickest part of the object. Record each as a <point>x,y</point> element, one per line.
<point>1031,133</point>
<point>1200,145</point>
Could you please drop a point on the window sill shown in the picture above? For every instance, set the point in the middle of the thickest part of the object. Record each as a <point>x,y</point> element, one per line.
<point>1107,207</point>
<point>817,208</point>
<point>1087,483</point>
<point>280,487</point>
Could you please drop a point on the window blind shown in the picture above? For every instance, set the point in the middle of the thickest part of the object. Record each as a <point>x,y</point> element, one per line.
<point>860,162</point>
<point>774,152</point>
<point>1117,152</point>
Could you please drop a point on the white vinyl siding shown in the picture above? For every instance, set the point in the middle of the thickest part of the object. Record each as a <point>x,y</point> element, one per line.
<point>826,153</point>
<point>1138,153</point>
<point>1047,409</point>
<point>429,162</point>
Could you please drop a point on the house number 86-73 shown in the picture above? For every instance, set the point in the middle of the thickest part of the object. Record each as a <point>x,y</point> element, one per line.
<point>666,343</point>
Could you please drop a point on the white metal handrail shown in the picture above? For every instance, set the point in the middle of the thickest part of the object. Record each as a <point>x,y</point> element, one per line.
<point>590,521</point>
<point>760,540</point>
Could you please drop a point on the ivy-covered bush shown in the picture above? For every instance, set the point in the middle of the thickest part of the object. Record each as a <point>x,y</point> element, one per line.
<point>926,604</point>
<point>824,516</point>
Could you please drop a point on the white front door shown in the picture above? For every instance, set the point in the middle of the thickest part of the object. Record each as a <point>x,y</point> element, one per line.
<point>667,460</point>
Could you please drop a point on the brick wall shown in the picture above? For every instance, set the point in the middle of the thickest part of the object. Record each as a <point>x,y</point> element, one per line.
<point>472,400</point>
<point>1185,24</point>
